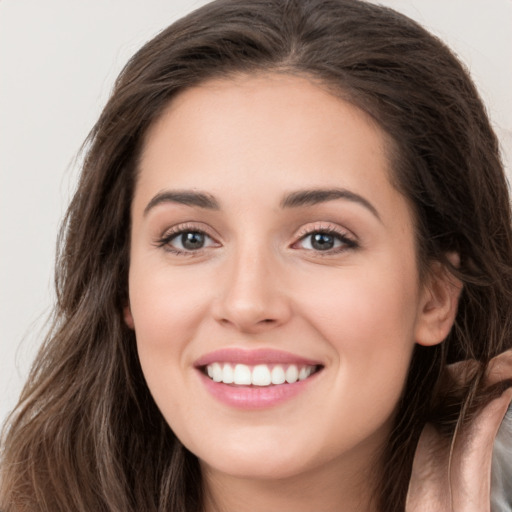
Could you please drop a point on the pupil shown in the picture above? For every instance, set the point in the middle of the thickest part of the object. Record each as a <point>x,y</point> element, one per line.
<point>192,240</point>
<point>322,241</point>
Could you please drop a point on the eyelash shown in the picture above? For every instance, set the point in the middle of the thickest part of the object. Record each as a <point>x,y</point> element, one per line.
<point>165,241</point>
<point>347,242</point>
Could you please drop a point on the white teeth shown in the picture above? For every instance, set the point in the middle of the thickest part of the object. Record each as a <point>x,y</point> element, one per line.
<point>292,374</point>
<point>258,375</point>
<point>305,372</point>
<point>278,376</point>
<point>217,372</point>
<point>228,376</point>
<point>261,375</point>
<point>242,375</point>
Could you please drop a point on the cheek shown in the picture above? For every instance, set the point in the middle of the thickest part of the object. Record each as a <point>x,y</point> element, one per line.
<point>371,333</point>
<point>366,306</point>
<point>369,320</point>
<point>167,309</point>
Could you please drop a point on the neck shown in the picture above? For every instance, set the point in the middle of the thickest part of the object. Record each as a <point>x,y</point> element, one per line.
<point>331,488</point>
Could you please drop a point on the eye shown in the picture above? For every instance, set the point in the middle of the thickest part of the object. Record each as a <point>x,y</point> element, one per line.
<point>325,241</point>
<point>320,241</point>
<point>189,240</point>
<point>186,241</point>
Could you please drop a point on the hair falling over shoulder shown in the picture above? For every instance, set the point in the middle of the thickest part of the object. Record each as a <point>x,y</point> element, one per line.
<point>86,434</point>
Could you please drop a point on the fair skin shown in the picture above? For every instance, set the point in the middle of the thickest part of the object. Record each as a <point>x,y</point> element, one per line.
<point>327,282</point>
<point>456,476</point>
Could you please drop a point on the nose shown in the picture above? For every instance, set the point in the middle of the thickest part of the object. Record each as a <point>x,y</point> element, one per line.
<point>252,298</point>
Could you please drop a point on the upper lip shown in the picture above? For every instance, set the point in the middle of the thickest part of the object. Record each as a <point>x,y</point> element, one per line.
<point>253,357</point>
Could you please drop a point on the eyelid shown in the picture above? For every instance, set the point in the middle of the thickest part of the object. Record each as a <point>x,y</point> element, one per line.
<point>170,233</point>
<point>327,226</point>
<point>348,239</point>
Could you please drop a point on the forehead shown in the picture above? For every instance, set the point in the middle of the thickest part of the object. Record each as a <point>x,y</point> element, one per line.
<point>272,132</point>
<point>231,98</point>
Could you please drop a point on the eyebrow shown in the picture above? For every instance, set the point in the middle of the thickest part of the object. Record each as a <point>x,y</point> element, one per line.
<point>186,197</point>
<point>295,199</point>
<point>316,196</point>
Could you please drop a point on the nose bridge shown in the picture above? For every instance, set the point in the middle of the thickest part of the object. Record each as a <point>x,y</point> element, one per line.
<point>251,297</point>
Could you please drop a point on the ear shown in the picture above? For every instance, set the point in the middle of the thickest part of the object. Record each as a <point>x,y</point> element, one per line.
<point>128,317</point>
<point>438,304</point>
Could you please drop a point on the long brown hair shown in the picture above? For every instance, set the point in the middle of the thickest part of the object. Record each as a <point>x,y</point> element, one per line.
<point>86,434</point>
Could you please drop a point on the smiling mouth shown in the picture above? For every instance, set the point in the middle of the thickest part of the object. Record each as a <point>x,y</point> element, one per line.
<point>260,375</point>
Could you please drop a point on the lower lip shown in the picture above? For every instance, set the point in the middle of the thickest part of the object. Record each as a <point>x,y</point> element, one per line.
<point>255,397</point>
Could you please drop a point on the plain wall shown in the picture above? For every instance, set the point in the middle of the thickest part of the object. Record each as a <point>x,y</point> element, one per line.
<point>58,61</point>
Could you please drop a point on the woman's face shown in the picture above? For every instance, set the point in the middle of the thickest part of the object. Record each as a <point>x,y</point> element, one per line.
<point>273,283</point>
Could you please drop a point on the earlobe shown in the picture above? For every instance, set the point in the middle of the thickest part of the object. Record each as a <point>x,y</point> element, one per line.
<point>128,317</point>
<point>438,306</point>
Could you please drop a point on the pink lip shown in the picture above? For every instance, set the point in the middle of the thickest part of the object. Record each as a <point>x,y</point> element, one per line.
<point>254,397</point>
<point>252,357</point>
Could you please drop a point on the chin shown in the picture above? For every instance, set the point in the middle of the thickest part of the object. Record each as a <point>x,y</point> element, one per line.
<point>257,466</point>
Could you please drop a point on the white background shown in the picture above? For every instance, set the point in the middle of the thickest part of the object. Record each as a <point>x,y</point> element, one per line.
<point>58,61</point>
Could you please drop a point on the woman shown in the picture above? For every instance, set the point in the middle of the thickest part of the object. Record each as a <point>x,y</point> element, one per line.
<point>287,257</point>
